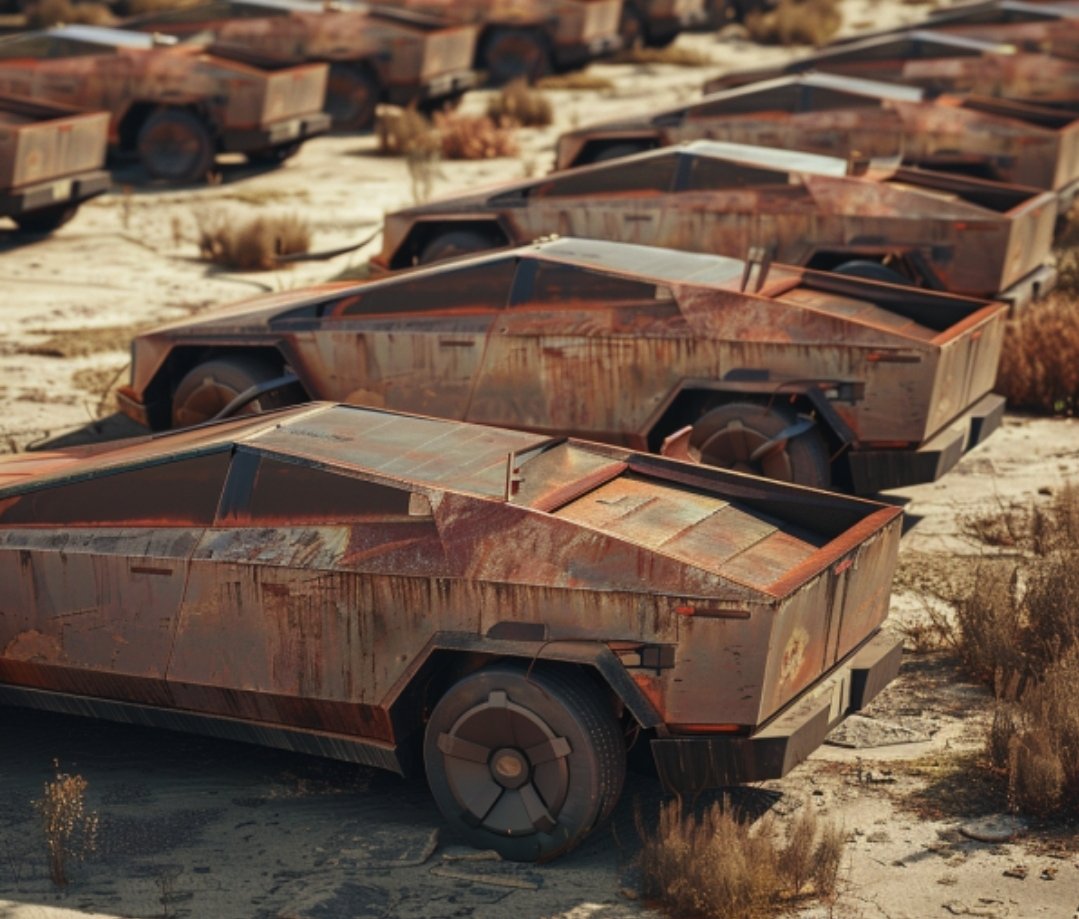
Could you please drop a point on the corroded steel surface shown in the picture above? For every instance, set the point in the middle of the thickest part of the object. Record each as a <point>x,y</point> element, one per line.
<point>125,72</point>
<point>428,57</point>
<point>940,62</point>
<point>842,116</point>
<point>292,570</point>
<point>599,340</point>
<point>970,236</point>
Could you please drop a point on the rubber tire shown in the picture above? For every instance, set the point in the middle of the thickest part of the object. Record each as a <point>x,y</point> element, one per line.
<point>273,156</point>
<point>803,461</point>
<point>872,271</point>
<point>453,243</point>
<point>510,54</point>
<point>615,151</point>
<point>45,219</point>
<point>175,127</point>
<point>352,97</point>
<point>633,28</point>
<point>210,386</point>
<point>573,708</point>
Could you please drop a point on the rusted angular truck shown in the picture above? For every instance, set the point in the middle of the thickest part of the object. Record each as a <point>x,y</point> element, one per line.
<point>375,54</point>
<point>859,119</point>
<point>657,23</point>
<point>51,160</point>
<point>810,377</point>
<point>508,609</point>
<point>174,107</point>
<point>939,62</point>
<point>936,230</point>
<point>530,38</point>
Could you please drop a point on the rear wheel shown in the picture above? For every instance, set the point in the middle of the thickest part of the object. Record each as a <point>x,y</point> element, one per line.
<point>754,438</point>
<point>451,243</point>
<point>510,54</point>
<point>352,95</point>
<point>872,271</point>
<point>525,763</point>
<point>632,27</point>
<point>45,219</point>
<point>208,387</point>
<point>176,145</point>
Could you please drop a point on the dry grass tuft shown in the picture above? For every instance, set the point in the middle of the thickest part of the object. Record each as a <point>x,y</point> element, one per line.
<point>1039,366</point>
<point>715,865</point>
<point>45,13</point>
<point>517,103</point>
<point>473,137</point>
<point>256,244</point>
<point>70,831</point>
<point>674,55</point>
<point>404,131</point>
<point>576,79</point>
<point>795,22</point>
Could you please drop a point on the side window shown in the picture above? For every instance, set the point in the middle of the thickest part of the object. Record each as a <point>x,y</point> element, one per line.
<point>541,283</point>
<point>706,173</point>
<point>485,286</point>
<point>180,493</point>
<point>651,174</point>
<point>271,491</point>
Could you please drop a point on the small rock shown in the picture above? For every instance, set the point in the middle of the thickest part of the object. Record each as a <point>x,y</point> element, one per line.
<point>872,777</point>
<point>1045,490</point>
<point>1016,871</point>
<point>1048,874</point>
<point>996,828</point>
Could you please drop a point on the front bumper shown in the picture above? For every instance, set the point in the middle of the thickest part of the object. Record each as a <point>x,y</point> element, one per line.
<point>688,765</point>
<point>71,189</point>
<point>878,470</point>
<point>577,53</point>
<point>288,130</point>
<point>444,86</point>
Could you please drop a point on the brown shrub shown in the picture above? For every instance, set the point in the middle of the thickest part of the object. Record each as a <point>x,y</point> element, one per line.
<point>519,104</point>
<point>1039,366</point>
<point>253,245</point>
<point>70,831</point>
<point>471,137</point>
<point>715,865</point>
<point>404,131</point>
<point>45,13</point>
<point>795,22</point>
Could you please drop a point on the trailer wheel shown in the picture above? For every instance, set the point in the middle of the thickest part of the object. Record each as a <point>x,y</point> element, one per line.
<point>451,243</point>
<point>746,437</point>
<point>526,763</point>
<point>45,219</point>
<point>510,54</point>
<point>175,145</point>
<point>208,387</point>
<point>352,95</point>
<point>872,271</point>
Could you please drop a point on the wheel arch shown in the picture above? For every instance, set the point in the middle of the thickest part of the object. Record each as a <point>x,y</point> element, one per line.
<point>422,232</point>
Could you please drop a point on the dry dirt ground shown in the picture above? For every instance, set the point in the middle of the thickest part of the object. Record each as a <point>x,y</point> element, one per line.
<point>195,828</point>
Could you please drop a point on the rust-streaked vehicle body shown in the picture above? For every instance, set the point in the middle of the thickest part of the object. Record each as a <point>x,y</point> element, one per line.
<point>943,231</point>
<point>376,54</point>
<point>352,583</point>
<point>176,107</point>
<point>528,38</point>
<point>855,118</point>
<point>658,22</point>
<point>626,344</point>
<point>51,160</point>
<point>939,62</point>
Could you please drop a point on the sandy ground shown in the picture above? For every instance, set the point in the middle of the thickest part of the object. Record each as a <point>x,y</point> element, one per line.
<point>194,828</point>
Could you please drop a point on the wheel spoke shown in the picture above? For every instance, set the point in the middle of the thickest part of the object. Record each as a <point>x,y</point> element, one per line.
<point>479,799</point>
<point>536,809</point>
<point>459,748</point>
<point>550,749</point>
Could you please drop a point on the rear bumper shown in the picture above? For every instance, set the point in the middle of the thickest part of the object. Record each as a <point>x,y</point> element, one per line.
<point>878,470</point>
<point>691,764</point>
<point>71,189</point>
<point>1034,286</point>
<point>444,86</point>
<point>286,131</point>
<point>571,55</point>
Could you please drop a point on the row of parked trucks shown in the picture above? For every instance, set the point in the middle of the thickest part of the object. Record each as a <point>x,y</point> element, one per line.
<point>747,306</point>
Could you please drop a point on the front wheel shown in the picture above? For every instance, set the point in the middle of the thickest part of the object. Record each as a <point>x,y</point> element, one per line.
<point>524,762</point>
<point>208,387</point>
<point>352,96</point>
<point>452,243</point>
<point>872,271</point>
<point>761,440</point>
<point>176,145</point>
<point>513,54</point>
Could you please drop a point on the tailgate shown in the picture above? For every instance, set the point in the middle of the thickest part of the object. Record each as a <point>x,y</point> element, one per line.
<point>58,147</point>
<point>1067,164</point>
<point>448,51</point>
<point>1030,238</point>
<point>294,91</point>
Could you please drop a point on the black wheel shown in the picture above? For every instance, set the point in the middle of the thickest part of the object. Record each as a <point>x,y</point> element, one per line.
<point>872,271</point>
<point>509,54</point>
<point>274,155</point>
<point>352,95</point>
<point>614,151</point>
<point>632,27</point>
<point>451,243</point>
<point>45,219</point>
<point>526,765</point>
<point>732,436</point>
<point>176,145</point>
<point>207,388</point>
